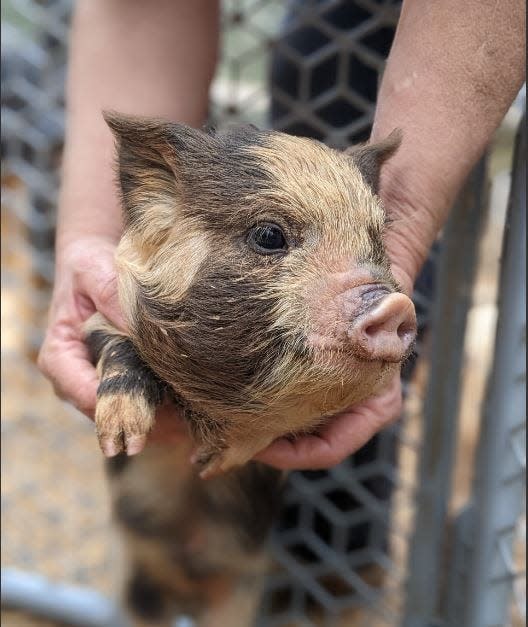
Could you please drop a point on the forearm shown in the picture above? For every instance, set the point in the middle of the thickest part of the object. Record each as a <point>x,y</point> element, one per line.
<point>452,73</point>
<point>147,58</point>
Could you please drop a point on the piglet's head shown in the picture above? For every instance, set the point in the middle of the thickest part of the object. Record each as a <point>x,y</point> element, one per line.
<point>254,278</point>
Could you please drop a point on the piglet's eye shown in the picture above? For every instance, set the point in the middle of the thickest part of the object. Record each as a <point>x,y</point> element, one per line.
<point>267,239</point>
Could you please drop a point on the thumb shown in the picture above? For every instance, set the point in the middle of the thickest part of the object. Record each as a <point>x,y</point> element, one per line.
<point>100,285</point>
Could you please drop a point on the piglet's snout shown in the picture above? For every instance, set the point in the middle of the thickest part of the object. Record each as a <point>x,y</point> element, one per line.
<point>387,331</point>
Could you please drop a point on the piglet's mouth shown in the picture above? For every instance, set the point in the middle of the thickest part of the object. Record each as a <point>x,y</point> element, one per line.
<point>385,327</point>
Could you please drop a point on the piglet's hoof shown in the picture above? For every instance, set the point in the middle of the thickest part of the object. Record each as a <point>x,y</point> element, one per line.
<point>122,424</point>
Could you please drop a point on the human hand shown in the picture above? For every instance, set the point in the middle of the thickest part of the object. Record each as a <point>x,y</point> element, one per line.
<point>344,434</point>
<point>85,282</point>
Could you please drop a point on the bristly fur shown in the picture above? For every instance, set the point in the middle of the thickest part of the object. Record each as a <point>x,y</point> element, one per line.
<point>250,346</point>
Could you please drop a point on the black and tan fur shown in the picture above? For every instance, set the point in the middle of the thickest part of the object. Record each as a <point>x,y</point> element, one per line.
<point>250,346</point>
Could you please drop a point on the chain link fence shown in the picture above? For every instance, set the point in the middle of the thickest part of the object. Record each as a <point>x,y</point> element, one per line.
<point>376,540</point>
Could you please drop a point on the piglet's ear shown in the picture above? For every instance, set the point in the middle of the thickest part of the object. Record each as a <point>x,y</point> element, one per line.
<point>369,158</point>
<point>155,137</point>
<point>150,156</point>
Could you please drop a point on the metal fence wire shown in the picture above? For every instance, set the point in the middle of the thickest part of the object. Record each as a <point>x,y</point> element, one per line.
<point>373,541</point>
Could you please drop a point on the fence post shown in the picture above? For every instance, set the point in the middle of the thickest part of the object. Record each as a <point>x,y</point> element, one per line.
<point>501,461</point>
<point>455,282</point>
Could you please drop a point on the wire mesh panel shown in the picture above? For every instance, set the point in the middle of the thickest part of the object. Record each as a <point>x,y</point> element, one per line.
<point>341,543</point>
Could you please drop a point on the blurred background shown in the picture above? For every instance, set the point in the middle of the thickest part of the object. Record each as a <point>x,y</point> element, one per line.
<point>353,546</point>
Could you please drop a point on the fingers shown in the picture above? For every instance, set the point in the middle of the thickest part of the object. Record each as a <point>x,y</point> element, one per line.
<point>339,438</point>
<point>66,364</point>
<point>100,285</point>
<point>86,281</point>
<point>343,436</point>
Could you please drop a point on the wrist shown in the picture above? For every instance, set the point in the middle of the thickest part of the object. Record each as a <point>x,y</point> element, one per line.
<point>416,209</point>
<point>89,203</point>
<point>88,210</point>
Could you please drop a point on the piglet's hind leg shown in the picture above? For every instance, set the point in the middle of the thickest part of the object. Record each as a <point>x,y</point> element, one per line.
<point>147,602</point>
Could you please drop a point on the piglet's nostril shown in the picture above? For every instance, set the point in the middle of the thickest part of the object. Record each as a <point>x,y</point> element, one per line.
<point>390,325</point>
<point>407,329</point>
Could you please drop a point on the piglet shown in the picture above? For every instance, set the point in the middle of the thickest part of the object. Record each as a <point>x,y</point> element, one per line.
<point>260,301</point>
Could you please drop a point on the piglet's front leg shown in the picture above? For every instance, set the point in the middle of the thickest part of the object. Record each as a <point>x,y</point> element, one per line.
<point>128,394</point>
